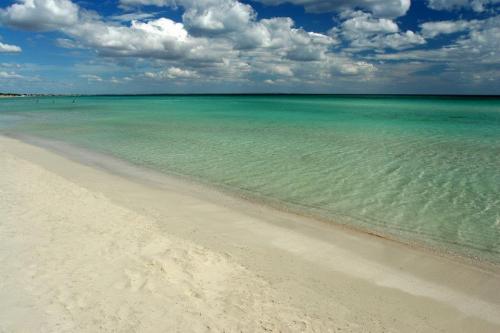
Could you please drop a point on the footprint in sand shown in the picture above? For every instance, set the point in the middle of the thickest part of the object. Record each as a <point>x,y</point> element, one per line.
<point>135,280</point>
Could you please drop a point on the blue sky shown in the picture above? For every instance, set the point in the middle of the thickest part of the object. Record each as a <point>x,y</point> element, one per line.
<point>231,46</point>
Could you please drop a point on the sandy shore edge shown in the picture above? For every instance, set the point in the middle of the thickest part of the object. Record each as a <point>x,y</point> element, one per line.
<point>85,248</point>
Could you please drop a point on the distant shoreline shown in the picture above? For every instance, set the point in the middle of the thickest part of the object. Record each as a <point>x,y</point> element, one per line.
<point>9,95</point>
<point>465,96</point>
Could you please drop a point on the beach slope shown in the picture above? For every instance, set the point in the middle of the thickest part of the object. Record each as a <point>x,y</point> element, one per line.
<point>84,249</point>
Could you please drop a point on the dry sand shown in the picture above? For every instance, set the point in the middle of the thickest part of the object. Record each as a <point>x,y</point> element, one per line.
<point>83,249</point>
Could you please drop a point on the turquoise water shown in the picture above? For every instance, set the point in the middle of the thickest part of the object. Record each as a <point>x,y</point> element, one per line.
<point>421,169</point>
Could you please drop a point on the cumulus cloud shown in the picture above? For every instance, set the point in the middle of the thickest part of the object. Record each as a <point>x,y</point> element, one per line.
<point>216,16</point>
<point>277,69</point>
<point>280,35</point>
<point>282,70</point>
<point>400,41</point>
<point>434,29</point>
<point>482,44</point>
<point>237,23</point>
<point>226,42</point>
<point>359,24</point>
<point>478,44</point>
<point>472,56</point>
<point>363,31</point>
<point>162,38</point>
<point>40,15</point>
<point>172,73</point>
<point>211,31</point>
<point>217,40</point>
<point>7,48</point>
<point>475,5</point>
<point>381,8</point>
<point>206,16</point>
<point>355,68</point>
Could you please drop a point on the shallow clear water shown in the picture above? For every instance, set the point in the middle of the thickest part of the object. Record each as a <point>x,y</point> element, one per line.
<point>419,169</point>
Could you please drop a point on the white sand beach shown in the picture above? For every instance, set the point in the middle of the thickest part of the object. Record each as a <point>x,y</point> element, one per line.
<point>88,244</point>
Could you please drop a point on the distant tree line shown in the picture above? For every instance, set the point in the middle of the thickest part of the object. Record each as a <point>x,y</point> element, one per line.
<point>9,94</point>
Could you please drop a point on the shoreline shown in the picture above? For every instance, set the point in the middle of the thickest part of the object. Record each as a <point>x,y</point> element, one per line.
<point>319,271</point>
<point>242,200</point>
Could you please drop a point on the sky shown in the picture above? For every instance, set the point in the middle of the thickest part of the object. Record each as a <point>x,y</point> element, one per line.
<point>250,46</point>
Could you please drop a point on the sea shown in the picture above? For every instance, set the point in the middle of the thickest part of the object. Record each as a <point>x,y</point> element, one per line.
<point>421,170</point>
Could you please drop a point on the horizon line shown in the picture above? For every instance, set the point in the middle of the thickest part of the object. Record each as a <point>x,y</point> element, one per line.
<point>244,94</point>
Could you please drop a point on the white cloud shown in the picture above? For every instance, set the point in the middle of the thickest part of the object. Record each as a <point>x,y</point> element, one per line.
<point>399,41</point>
<point>356,68</point>
<point>10,75</point>
<point>475,5</point>
<point>217,41</point>
<point>10,65</point>
<point>67,43</point>
<point>172,73</point>
<point>363,25</point>
<point>381,8</point>
<point>7,48</point>
<point>40,15</point>
<point>363,31</point>
<point>280,36</point>
<point>339,67</point>
<point>206,16</point>
<point>92,77</point>
<point>433,29</point>
<point>482,44</point>
<point>116,80</point>
<point>132,17</point>
<point>282,70</point>
<point>477,50</point>
<point>211,30</point>
<point>161,38</point>
<point>216,16</point>
<point>237,23</point>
